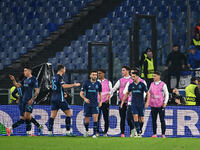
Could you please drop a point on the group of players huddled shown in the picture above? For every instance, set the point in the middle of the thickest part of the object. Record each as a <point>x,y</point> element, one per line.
<point>134,98</point>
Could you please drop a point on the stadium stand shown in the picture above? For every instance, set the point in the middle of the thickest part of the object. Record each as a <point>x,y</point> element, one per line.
<point>31,24</point>
<point>118,23</point>
<point>25,24</point>
<point>37,49</point>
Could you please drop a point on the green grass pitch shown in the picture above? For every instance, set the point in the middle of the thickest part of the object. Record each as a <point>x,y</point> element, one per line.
<point>100,143</point>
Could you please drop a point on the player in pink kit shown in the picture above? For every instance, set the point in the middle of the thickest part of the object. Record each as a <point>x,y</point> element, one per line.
<point>159,96</point>
<point>106,90</point>
<point>130,120</point>
<point>121,83</point>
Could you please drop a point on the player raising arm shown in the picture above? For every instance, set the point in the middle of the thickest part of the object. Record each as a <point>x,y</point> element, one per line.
<point>58,101</point>
<point>30,92</point>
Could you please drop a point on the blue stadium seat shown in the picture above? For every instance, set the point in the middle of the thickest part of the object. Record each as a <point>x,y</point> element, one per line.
<point>6,62</point>
<point>21,50</point>
<point>30,45</point>
<point>60,55</point>
<point>15,56</point>
<point>89,32</point>
<point>29,22</point>
<point>3,55</point>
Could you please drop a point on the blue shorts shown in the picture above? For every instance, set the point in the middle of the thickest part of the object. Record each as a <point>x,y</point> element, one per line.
<point>21,108</point>
<point>56,105</point>
<point>28,108</point>
<point>139,110</point>
<point>90,110</point>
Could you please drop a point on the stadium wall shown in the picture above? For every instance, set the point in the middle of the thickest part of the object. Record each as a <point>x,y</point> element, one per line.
<point>181,121</point>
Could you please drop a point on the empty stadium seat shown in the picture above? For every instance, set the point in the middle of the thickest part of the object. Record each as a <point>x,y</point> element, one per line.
<point>26,23</point>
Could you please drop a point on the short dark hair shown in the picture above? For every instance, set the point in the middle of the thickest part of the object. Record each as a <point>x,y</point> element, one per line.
<point>28,67</point>
<point>136,69</point>
<point>60,66</point>
<point>193,79</point>
<point>102,70</point>
<point>148,48</point>
<point>93,71</point>
<point>157,73</point>
<point>127,68</point>
<point>136,73</point>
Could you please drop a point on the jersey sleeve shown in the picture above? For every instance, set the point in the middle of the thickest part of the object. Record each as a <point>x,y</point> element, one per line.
<point>129,88</point>
<point>84,87</point>
<point>35,83</point>
<point>22,82</point>
<point>61,81</point>
<point>145,87</point>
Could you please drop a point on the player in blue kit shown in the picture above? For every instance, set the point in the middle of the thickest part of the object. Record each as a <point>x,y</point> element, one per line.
<point>138,105</point>
<point>18,94</point>
<point>30,90</point>
<point>89,93</point>
<point>58,101</point>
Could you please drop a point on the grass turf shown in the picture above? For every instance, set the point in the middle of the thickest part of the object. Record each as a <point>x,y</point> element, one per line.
<point>100,143</point>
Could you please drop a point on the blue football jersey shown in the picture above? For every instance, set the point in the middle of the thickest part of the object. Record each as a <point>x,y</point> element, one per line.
<point>57,89</point>
<point>28,86</point>
<point>91,91</point>
<point>137,91</point>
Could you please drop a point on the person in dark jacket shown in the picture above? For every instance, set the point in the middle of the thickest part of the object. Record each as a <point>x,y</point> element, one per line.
<point>176,62</point>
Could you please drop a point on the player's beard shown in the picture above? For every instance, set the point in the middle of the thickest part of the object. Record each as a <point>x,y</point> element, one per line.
<point>93,79</point>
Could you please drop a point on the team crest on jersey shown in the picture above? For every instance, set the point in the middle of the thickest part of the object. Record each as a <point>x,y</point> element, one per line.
<point>97,86</point>
<point>140,86</point>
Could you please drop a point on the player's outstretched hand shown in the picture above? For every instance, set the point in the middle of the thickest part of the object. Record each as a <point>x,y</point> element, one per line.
<point>11,77</point>
<point>77,84</point>
<point>87,100</point>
